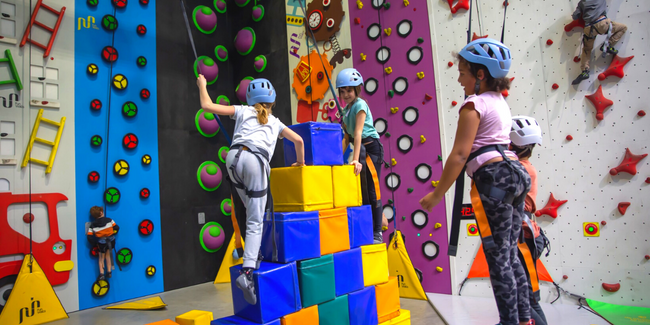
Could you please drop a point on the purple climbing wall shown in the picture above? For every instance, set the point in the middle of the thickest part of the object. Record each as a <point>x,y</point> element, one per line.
<point>392,50</point>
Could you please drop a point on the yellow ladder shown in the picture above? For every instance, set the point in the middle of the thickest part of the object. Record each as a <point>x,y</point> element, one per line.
<point>55,144</point>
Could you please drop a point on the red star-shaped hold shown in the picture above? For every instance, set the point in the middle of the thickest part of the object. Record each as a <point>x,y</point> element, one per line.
<point>600,102</point>
<point>462,4</point>
<point>616,67</point>
<point>629,163</point>
<point>576,23</point>
<point>551,207</point>
<point>475,37</point>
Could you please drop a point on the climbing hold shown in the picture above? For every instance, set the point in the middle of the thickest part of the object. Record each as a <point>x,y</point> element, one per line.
<point>28,218</point>
<point>641,113</point>
<point>428,97</point>
<point>260,63</point>
<point>220,6</point>
<point>93,177</point>
<point>403,218</point>
<point>145,193</point>
<point>549,42</point>
<point>611,287</point>
<point>226,207</point>
<point>212,237</point>
<point>357,20</point>
<point>386,5</point>
<point>565,277</point>
<point>92,69</point>
<point>600,102</point>
<point>647,257</point>
<point>129,109</point>
<point>439,269</point>
<point>393,162</point>
<point>150,270</point>
<point>388,70</point>
<point>435,183</point>
<point>576,59</point>
<point>320,75</point>
<point>394,109</point>
<point>119,3</point>
<point>240,90</point>
<point>387,134</point>
<point>420,40</point>
<point>462,4</point>
<point>120,82</point>
<point>145,93</point>
<point>438,225</point>
<point>141,61</point>
<point>109,54</point>
<point>410,190</point>
<point>628,165</point>
<point>647,180</point>
<point>245,40</point>
<point>454,103</point>
<point>622,207</point>
<point>130,141</point>
<point>221,53</point>
<point>258,13</point>
<point>391,93</point>
<point>555,86</point>
<point>308,89</point>
<point>206,123</point>
<point>406,3</point>
<point>96,104</point>
<point>422,139</point>
<point>450,64</point>
<point>505,93</point>
<point>92,3</point>
<point>615,67</point>
<point>551,207</point>
<point>359,4</point>
<point>146,159</point>
<point>363,57</point>
<point>569,137</point>
<point>420,75</point>
<point>109,22</point>
<point>475,37</point>
<point>604,223</point>
<point>439,158</point>
<point>124,256</point>
<point>209,176</point>
<point>205,19</point>
<point>388,31</point>
<point>141,29</point>
<point>112,195</point>
<point>576,23</point>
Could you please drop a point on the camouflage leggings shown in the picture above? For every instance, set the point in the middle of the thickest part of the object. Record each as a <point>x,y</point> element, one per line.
<point>507,275</point>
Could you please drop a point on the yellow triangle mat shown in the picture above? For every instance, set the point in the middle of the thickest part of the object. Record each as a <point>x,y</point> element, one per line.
<point>32,299</point>
<point>223,276</point>
<point>142,304</point>
<point>400,266</point>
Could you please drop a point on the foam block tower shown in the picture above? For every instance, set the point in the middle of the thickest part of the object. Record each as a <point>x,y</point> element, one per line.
<point>327,271</point>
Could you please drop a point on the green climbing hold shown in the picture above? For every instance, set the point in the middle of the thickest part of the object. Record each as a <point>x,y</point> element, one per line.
<point>391,93</point>
<point>206,11</point>
<point>215,231</point>
<point>420,40</point>
<point>410,190</point>
<point>390,201</point>
<point>141,61</point>
<point>208,116</point>
<point>387,134</point>
<point>439,158</point>
<point>92,3</point>
<point>403,218</point>
<point>211,169</point>
<point>387,5</point>
<point>308,89</point>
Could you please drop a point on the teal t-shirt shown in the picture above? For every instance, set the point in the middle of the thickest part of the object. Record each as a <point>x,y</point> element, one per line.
<point>350,119</point>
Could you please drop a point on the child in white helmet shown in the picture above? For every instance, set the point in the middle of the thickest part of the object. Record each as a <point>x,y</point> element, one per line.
<point>525,134</point>
<point>253,144</point>
<point>368,154</point>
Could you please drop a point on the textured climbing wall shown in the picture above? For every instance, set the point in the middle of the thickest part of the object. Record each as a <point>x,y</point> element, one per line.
<point>48,84</point>
<point>392,50</point>
<point>578,150</point>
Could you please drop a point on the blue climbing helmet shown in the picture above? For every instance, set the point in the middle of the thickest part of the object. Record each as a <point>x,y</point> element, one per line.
<point>349,77</point>
<point>260,91</point>
<point>489,52</point>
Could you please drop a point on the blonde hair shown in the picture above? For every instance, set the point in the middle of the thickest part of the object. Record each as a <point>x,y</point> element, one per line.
<point>263,111</point>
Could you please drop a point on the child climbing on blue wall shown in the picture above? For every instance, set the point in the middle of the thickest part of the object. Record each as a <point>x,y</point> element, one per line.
<point>254,139</point>
<point>101,233</point>
<point>368,153</point>
<point>499,181</point>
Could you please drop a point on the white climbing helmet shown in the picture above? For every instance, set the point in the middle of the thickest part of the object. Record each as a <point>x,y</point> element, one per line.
<point>525,130</point>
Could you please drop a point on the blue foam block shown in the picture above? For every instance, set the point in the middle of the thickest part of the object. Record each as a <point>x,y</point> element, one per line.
<point>348,271</point>
<point>322,144</point>
<point>363,307</point>
<point>297,236</point>
<point>360,226</point>
<point>234,320</point>
<point>278,293</point>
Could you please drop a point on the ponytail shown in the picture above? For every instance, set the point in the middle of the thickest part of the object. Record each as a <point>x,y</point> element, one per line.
<point>263,110</point>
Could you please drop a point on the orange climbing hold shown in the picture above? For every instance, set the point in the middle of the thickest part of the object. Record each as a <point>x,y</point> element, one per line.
<point>629,163</point>
<point>615,68</point>
<point>622,207</point>
<point>551,207</point>
<point>611,287</point>
<point>600,102</point>
<point>576,23</point>
<point>475,37</point>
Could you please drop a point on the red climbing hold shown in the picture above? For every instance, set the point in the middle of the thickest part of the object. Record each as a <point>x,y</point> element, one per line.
<point>569,137</point>
<point>475,37</point>
<point>565,277</point>
<point>647,180</point>
<point>28,218</point>
<point>462,4</point>
<point>604,223</point>
<point>551,207</point>
<point>505,93</point>
<point>454,103</point>
<point>647,257</point>
<point>549,42</point>
<point>622,207</point>
<point>450,64</point>
<point>556,86</point>
<point>576,59</point>
<point>616,67</point>
<point>357,20</point>
<point>641,113</point>
<point>576,23</point>
<point>600,102</point>
<point>611,287</point>
<point>629,163</point>
<point>428,97</point>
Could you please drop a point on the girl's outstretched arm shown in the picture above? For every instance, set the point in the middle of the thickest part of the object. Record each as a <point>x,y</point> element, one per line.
<point>287,133</point>
<point>358,131</point>
<point>206,101</point>
<point>467,127</point>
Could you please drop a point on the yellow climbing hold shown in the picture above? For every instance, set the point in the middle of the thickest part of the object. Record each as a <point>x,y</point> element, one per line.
<point>406,3</point>
<point>435,183</point>
<point>420,75</point>
<point>438,225</point>
<point>388,31</point>
<point>422,139</point>
<point>393,162</point>
<point>359,4</point>
<point>394,109</point>
<point>438,268</point>
<point>388,70</point>
<point>363,57</point>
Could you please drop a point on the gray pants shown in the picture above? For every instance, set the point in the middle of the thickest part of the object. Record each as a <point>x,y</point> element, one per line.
<point>248,169</point>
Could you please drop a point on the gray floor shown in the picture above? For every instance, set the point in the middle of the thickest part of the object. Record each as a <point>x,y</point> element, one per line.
<point>216,298</point>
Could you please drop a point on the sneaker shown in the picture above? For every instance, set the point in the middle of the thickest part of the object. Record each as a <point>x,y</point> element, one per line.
<point>584,75</point>
<point>245,283</point>
<point>109,275</point>
<point>610,49</point>
<point>101,277</point>
<point>378,239</point>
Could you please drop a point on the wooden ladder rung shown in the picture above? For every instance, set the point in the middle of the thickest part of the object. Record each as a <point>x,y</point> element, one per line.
<point>44,141</point>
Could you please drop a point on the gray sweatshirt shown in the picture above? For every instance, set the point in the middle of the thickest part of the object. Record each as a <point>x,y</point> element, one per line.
<point>590,10</point>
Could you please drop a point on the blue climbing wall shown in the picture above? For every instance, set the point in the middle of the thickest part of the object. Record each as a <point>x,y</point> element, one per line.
<point>112,126</point>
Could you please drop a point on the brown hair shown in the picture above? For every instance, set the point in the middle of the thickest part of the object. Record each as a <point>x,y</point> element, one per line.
<point>263,111</point>
<point>357,91</point>
<point>493,84</point>
<point>96,212</point>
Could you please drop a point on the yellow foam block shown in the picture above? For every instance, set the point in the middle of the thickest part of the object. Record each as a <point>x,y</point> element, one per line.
<point>404,318</point>
<point>306,188</point>
<point>164,322</point>
<point>347,187</point>
<point>375,264</point>
<point>387,296</point>
<point>334,234</point>
<point>385,323</point>
<point>195,317</point>
<point>302,317</point>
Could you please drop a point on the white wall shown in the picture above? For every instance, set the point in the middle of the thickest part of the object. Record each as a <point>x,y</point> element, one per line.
<point>576,170</point>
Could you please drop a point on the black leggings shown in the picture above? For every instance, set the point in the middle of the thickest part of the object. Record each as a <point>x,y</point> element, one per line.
<point>375,150</point>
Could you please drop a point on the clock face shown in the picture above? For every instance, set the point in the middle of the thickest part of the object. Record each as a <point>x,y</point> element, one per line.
<point>315,19</point>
